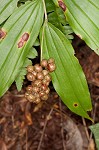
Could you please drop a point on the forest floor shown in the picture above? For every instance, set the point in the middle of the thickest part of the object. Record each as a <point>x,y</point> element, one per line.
<point>50,125</point>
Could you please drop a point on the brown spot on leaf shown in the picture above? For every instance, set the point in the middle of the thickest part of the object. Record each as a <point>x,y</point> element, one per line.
<point>20,44</point>
<point>62,5</point>
<point>75,105</point>
<point>2,34</point>
<point>23,40</point>
<point>25,36</point>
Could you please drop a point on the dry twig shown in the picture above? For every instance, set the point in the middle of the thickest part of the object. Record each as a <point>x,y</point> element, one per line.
<point>45,124</point>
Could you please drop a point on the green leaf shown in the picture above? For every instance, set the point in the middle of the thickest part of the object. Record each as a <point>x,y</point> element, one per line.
<point>68,79</point>
<point>56,2</point>
<point>37,42</point>
<point>6,8</point>
<point>49,6</point>
<point>32,53</point>
<point>58,20</point>
<point>28,18</point>
<point>95,130</point>
<point>83,16</point>
<point>22,72</point>
<point>20,78</point>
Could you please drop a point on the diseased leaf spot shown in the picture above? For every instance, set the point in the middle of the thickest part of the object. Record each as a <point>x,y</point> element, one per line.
<point>2,34</point>
<point>20,44</point>
<point>23,40</point>
<point>62,5</point>
<point>25,36</point>
<point>75,104</point>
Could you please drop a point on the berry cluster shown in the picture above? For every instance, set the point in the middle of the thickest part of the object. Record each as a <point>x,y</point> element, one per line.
<point>40,79</point>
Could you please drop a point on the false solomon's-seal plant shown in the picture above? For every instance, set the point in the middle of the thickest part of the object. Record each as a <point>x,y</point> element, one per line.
<point>49,24</point>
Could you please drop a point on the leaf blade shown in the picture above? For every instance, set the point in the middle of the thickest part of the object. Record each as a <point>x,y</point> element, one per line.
<point>95,130</point>
<point>6,9</point>
<point>11,57</point>
<point>64,79</point>
<point>83,16</point>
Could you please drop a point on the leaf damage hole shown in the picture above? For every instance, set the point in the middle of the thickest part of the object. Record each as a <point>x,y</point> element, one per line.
<point>62,5</point>
<point>23,40</point>
<point>2,34</point>
<point>75,104</point>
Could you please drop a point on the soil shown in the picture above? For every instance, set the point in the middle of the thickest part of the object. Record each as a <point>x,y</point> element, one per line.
<point>50,125</point>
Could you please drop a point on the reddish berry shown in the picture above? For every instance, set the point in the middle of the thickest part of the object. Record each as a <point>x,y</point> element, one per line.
<point>44,63</point>
<point>37,100</point>
<point>29,89</point>
<point>47,91</point>
<point>41,93</point>
<point>45,72</point>
<point>31,97</point>
<point>45,97</point>
<point>48,78</point>
<point>51,60</point>
<point>43,87</point>
<point>30,77</point>
<point>40,76</point>
<point>36,89</point>
<point>38,68</point>
<point>37,83</point>
<point>51,67</point>
<point>30,68</point>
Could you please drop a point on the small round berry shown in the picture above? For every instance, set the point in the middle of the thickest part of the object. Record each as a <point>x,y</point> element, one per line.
<point>45,72</point>
<point>44,63</point>
<point>47,83</point>
<point>45,97</point>
<point>37,100</point>
<point>44,81</point>
<point>37,83</point>
<point>40,76</point>
<point>34,73</point>
<point>41,93</point>
<point>30,77</point>
<point>38,68</point>
<point>36,95</point>
<point>26,94</point>
<point>51,60</point>
<point>29,89</point>
<point>31,97</point>
<point>30,68</point>
<point>43,87</point>
<point>48,78</point>
<point>51,67</point>
<point>47,91</point>
<point>35,89</point>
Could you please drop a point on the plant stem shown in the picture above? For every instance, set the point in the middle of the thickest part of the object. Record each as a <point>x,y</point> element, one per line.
<point>46,19</point>
<point>42,41</point>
